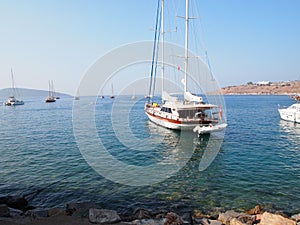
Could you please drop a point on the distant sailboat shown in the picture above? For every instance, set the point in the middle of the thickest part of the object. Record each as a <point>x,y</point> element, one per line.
<point>112,91</point>
<point>76,97</point>
<point>133,96</point>
<point>54,92</point>
<point>12,101</point>
<point>101,96</point>
<point>50,97</point>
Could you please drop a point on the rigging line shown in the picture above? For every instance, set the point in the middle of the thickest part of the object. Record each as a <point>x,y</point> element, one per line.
<point>156,56</point>
<point>14,85</point>
<point>201,39</point>
<point>154,49</point>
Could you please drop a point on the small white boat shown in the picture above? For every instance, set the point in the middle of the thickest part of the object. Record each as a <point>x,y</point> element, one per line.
<point>209,129</point>
<point>12,101</point>
<point>291,113</point>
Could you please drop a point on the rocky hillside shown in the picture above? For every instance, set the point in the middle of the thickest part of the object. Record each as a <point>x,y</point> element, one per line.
<point>269,88</point>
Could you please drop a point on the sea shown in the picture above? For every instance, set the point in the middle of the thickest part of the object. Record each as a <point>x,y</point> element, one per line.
<point>51,162</point>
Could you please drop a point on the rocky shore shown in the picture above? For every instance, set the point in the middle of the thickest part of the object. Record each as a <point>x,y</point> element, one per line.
<point>15,210</point>
<point>269,88</point>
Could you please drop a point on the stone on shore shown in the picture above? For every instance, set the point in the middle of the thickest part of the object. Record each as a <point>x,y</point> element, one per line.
<point>41,213</point>
<point>258,209</point>
<point>103,216</point>
<point>235,221</point>
<point>231,217</point>
<point>56,211</point>
<point>274,219</point>
<point>227,216</point>
<point>4,211</point>
<point>205,221</point>
<point>79,209</point>
<point>145,222</point>
<point>34,213</point>
<point>186,218</point>
<point>173,219</point>
<point>296,217</point>
<point>141,213</point>
<point>16,202</point>
<point>16,212</point>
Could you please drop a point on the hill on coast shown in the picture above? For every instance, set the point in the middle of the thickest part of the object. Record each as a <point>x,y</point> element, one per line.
<point>264,88</point>
<point>25,93</point>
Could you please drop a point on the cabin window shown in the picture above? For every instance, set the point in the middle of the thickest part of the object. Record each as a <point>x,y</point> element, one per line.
<point>165,109</point>
<point>190,113</point>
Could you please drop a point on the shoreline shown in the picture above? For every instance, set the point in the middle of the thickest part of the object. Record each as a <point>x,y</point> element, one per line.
<point>15,210</point>
<point>271,88</point>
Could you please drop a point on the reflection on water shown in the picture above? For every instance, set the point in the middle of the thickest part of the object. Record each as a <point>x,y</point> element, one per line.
<point>290,136</point>
<point>293,129</point>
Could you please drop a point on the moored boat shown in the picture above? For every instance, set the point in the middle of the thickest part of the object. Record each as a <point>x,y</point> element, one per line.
<point>112,92</point>
<point>291,113</point>
<point>190,111</point>
<point>51,98</point>
<point>12,100</point>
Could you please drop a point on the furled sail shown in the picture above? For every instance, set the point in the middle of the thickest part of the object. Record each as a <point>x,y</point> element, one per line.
<point>188,96</point>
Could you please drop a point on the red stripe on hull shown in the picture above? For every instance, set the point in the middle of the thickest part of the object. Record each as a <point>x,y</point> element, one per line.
<point>179,122</point>
<point>166,119</point>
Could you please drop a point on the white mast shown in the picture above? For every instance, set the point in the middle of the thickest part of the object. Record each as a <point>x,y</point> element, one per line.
<point>162,51</point>
<point>12,82</point>
<point>186,43</point>
<point>52,89</point>
<point>49,84</point>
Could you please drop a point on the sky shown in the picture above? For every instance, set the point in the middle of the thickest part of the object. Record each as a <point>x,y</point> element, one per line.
<point>246,40</point>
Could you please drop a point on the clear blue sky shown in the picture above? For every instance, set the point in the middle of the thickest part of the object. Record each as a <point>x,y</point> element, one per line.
<point>247,40</point>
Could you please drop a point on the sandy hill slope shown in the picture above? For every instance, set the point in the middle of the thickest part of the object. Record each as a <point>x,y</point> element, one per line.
<point>272,88</point>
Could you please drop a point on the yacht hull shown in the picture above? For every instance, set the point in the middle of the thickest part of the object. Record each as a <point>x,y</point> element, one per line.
<point>289,115</point>
<point>173,124</point>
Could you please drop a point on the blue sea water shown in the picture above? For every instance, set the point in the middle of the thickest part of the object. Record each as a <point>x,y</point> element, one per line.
<point>258,163</point>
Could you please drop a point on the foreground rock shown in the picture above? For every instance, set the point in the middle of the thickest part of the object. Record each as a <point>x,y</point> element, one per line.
<point>4,211</point>
<point>42,213</point>
<point>273,219</point>
<point>296,217</point>
<point>79,209</point>
<point>89,213</point>
<point>16,202</point>
<point>234,218</point>
<point>103,216</point>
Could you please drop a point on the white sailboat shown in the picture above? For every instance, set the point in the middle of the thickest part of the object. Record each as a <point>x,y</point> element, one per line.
<point>112,91</point>
<point>77,96</point>
<point>190,113</point>
<point>12,100</point>
<point>51,98</point>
